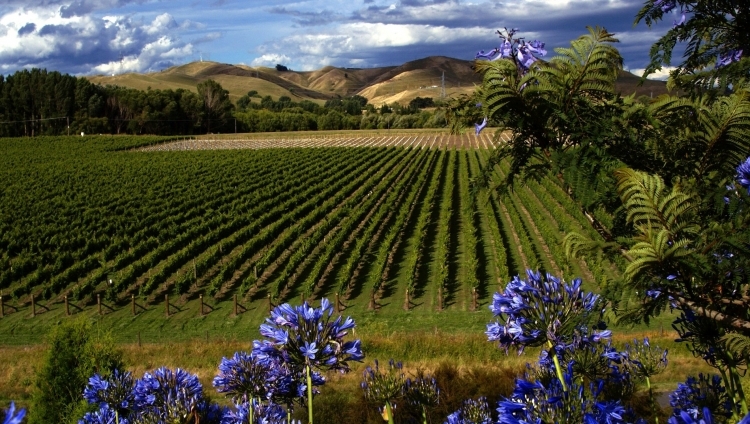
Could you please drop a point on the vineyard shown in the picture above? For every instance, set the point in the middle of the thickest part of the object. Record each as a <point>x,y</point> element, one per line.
<point>388,222</point>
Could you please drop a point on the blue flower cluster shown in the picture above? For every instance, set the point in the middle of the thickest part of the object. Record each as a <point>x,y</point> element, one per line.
<point>306,336</point>
<point>160,396</point>
<point>275,374</point>
<point>472,412</point>
<point>545,310</point>
<point>695,396</point>
<point>580,377</point>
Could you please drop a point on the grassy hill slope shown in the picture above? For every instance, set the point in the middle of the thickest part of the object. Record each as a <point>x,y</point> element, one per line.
<point>417,78</point>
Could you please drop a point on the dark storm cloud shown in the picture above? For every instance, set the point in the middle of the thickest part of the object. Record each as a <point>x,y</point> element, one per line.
<point>323,17</point>
<point>26,29</point>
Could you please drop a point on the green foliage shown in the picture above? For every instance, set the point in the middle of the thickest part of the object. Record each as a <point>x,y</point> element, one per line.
<point>76,352</point>
<point>712,28</point>
<point>555,106</point>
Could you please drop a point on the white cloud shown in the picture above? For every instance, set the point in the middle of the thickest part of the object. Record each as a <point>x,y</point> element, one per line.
<point>348,41</point>
<point>270,59</point>
<point>661,75</point>
<point>49,38</point>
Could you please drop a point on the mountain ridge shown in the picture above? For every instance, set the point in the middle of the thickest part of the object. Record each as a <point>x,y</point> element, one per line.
<point>380,85</point>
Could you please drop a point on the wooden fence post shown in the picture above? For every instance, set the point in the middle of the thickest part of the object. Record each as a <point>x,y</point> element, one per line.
<point>67,307</point>
<point>235,305</point>
<point>2,307</point>
<point>166,304</point>
<point>201,298</point>
<point>270,304</point>
<point>99,303</point>
<point>33,306</point>
<point>338,306</point>
<point>406,301</point>
<point>474,299</point>
<point>132,303</point>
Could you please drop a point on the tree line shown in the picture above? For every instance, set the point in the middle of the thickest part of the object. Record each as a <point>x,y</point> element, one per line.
<point>39,102</point>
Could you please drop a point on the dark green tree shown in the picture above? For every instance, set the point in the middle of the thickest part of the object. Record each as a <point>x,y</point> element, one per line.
<point>76,351</point>
<point>216,104</point>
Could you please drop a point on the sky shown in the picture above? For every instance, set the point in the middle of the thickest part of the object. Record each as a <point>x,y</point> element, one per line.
<point>88,37</point>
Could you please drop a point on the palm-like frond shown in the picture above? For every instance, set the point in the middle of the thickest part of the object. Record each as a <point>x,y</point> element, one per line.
<point>651,206</point>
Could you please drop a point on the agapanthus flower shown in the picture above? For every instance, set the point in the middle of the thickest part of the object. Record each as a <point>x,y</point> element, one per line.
<point>262,413</point>
<point>381,387</point>
<point>684,418</point>
<point>306,336</point>
<point>533,401</point>
<point>647,361</point>
<point>168,395</point>
<point>697,395</point>
<point>422,391</point>
<point>115,390</point>
<point>743,175</point>
<point>542,310</point>
<point>611,412</point>
<point>105,415</point>
<point>472,412</point>
<point>12,416</point>
<point>245,376</point>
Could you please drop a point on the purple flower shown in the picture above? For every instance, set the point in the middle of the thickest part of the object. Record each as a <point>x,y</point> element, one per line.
<point>542,310</point>
<point>472,412</point>
<point>245,376</point>
<point>665,5</point>
<point>309,350</point>
<point>262,413</point>
<point>382,387</point>
<point>13,417</point>
<point>537,47</point>
<point>743,175</point>
<point>167,395</point>
<point>696,396</point>
<point>115,390</point>
<point>647,360</point>
<point>479,127</point>
<point>727,58</point>
<point>488,56</point>
<point>302,335</point>
<point>105,415</point>
<point>525,58</point>
<point>681,22</point>
<point>686,418</point>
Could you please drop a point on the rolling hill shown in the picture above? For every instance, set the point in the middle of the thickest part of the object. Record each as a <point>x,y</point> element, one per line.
<point>418,78</point>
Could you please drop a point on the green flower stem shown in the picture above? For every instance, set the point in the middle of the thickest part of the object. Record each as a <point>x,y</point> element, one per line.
<point>558,370</point>
<point>250,411</point>
<point>651,400</point>
<point>309,395</point>
<point>424,415</point>
<point>389,411</point>
<point>740,393</point>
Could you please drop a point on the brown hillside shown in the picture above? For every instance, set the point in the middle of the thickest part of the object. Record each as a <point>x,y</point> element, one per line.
<point>418,78</point>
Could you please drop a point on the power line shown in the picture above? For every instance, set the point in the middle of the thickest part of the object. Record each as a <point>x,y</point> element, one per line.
<point>33,120</point>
